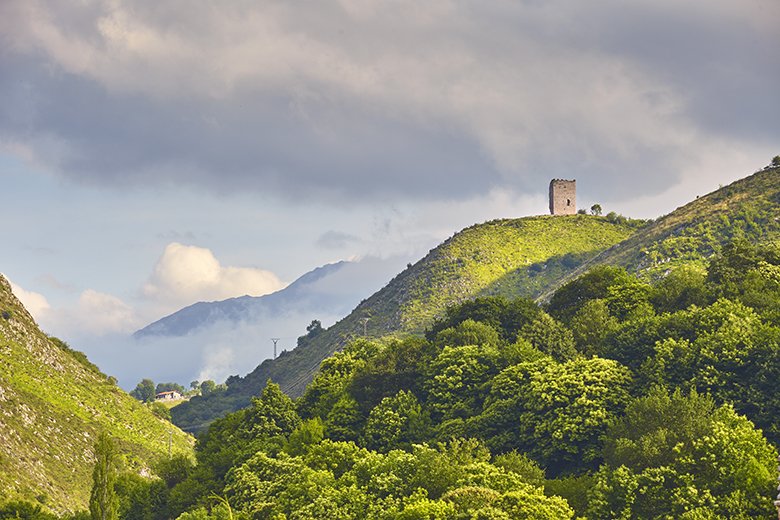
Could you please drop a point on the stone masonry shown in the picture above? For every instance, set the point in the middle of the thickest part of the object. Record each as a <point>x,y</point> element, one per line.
<point>563,197</point>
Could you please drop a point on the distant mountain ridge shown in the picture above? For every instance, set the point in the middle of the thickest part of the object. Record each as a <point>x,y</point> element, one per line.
<point>53,403</point>
<point>299,295</point>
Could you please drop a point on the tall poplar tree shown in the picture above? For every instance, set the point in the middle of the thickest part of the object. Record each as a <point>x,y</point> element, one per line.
<point>103,502</point>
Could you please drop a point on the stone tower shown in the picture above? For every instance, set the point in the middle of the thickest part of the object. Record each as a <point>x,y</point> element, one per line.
<point>563,197</point>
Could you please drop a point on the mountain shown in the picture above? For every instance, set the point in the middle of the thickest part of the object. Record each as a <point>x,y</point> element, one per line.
<point>522,257</point>
<point>512,257</point>
<point>53,403</point>
<point>302,295</point>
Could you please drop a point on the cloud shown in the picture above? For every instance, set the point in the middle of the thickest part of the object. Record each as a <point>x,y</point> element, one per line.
<point>99,314</point>
<point>35,303</point>
<point>186,274</point>
<point>387,100</point>
<point>94,314</point>
<point>336,240</point>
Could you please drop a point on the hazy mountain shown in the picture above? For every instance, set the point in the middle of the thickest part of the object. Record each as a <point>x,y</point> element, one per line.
<point>304,294</point>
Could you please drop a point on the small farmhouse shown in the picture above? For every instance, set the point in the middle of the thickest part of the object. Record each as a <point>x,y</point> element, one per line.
<point>172,395</point>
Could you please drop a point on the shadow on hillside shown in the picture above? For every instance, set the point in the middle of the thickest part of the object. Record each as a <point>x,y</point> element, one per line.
<point>537,278</point>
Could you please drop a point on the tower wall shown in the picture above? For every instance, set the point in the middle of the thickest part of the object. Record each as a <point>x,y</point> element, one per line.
<point>563,197</point>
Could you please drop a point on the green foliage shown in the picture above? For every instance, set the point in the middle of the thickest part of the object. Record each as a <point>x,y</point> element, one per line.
<point>397,422</point>
<point>593,285</point>
<point>468,332</point>
<point>313,330</point>
<point>23,510</point>
<point>207,388</point>
<point>160,410</point>
<point>681,288</point>
<point>54,402</point>
<point>591,324</point>
<point>676,456</point>
<point>453,481</point>
<point>504,316</point>
<point>375,409</point>
<point>103,502</point>
<point>398,365</point>
<point>169,387</point>
<point>595,209</point>
<point>551,337</point>
<point>144,391</point>
<point>308,434</point>
<point>457,380</point>
<point>522,465</point>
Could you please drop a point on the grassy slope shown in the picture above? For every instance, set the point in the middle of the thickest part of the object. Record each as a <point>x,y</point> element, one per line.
<point>52,404</point>
<point>748,208</point>
<point>517,257</point>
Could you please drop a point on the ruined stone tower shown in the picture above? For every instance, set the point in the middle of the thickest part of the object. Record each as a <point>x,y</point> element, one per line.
<point>563,197</point>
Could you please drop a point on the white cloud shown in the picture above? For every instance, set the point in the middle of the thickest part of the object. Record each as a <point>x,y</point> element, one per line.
<point>35,303</point>
<point>187,274</point>
<point>99,313</point>
<point>94,314</point>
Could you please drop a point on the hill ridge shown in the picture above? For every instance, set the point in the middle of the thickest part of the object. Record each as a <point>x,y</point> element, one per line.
<point>534,249</point>
<point>53,402</point>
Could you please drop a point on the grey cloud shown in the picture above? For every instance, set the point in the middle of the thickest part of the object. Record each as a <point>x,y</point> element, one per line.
<point>354,102</point>
<point>336,240</point>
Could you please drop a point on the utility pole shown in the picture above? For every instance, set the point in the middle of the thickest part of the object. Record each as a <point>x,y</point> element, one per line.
<point>170,442</point>
<point>365,322</point>
<point>275,340</point>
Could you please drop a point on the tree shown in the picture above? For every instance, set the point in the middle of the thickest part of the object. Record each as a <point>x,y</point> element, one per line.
<point>678,456</point>
<point>168,387</point>
<point>776,161</point>
<point>680,289</point>
<point>590,325</point>
<point>468,332</point>
<point>554,412</point>
<point>550,337</point>
<point>397,422</point>
<point>457,378</point>
<point>592,285</point>
<point>595,209</point>
<point>23,510</point>
<point>207,387</point>
<point>103,502</point>
<point>144,391</point>
<point>314,328</point>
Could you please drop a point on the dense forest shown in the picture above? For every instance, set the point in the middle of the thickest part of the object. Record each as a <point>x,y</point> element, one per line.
<point>617,399</point>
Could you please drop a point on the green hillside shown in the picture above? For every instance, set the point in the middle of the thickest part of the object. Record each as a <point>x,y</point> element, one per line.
<point>746,209</point>
<point>511,257</point>
<point>53,402</point>
<point>520,257</point>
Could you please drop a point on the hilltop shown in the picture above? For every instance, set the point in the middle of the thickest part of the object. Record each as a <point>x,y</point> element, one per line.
<point>520,257</point>
<point>53,403</point>
<point>510,257</point>
<point>746,209</point>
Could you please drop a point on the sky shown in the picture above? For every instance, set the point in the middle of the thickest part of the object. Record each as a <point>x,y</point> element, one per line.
<point>155,154</point>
